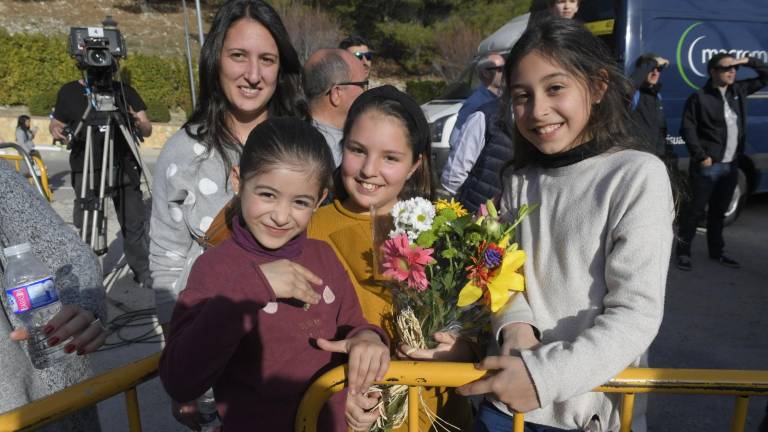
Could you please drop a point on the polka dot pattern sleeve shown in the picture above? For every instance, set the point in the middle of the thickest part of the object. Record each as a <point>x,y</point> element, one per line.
<point>189,190</point>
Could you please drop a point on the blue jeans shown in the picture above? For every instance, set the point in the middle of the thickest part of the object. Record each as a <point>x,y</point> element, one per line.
<point>490,419</point>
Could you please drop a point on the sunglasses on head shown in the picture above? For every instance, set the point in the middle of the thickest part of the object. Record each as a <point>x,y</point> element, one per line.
<point>362,84</point>
<point>367,55</point>
<point>727,68</point>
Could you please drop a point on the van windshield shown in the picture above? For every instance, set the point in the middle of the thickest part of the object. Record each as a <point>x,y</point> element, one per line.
<point>464,85</point>
<point>599,17</point>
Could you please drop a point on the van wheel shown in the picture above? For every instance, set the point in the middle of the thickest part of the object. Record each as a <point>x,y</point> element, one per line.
<point>737,200</point>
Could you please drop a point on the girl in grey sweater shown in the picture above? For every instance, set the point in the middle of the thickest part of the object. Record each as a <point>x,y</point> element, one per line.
<point>599,242</point>
<point>25,216</point>
<point>25,134</point>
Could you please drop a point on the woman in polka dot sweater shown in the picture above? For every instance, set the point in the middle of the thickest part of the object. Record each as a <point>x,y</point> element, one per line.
<point>249,71</point>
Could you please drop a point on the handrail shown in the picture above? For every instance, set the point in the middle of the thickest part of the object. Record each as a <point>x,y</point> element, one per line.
<point>89,392</point>
<point>741,383</point>
<point>27,160</point>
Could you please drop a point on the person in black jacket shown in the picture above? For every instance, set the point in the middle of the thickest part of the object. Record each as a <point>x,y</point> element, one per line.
<point>714,129</point>
<point>647,110</point>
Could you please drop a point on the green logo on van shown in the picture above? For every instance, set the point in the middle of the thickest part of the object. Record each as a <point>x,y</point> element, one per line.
<point>679,55</point>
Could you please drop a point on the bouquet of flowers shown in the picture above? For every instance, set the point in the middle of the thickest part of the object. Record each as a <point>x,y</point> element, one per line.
<point>449,269</point>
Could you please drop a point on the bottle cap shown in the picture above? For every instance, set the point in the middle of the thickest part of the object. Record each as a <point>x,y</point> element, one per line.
<point>17,249</point>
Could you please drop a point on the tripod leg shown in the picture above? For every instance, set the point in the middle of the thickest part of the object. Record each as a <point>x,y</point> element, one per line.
<point>85,178</point>
<point>131,141</point>
<point>99,220</point>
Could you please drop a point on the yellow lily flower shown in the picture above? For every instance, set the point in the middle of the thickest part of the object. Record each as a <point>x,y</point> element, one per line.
<point>506,279</point>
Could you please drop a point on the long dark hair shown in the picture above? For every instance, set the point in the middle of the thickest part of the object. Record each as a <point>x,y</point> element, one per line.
<point>570,45</point>
<point>389,101</point>
<point>21,122</point>
<point>208,122</point>
<point>283,142</point>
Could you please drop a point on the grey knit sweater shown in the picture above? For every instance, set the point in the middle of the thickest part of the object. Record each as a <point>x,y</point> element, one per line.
<point>26,217</point>
<point>598,253</point>
<point>190,188</point>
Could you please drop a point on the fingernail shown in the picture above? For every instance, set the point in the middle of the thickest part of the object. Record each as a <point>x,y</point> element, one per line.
<point>49,329</point>
<point>69,348</point>
<point>53,341</point>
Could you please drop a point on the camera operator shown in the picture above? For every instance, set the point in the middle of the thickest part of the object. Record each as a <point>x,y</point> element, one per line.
<point>71,104</point>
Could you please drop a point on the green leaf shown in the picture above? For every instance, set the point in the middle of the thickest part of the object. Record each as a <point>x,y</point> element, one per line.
<point>449,253</point>
<point>426,239</point>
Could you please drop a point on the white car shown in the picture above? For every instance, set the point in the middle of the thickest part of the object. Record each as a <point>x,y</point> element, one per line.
<point>441,113</point>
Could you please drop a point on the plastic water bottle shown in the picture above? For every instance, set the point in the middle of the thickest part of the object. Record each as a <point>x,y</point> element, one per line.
<point>209,415</point>
<point>32,297</point>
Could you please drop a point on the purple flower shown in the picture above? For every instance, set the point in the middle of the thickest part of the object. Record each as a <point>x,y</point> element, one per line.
<point>493,256</point>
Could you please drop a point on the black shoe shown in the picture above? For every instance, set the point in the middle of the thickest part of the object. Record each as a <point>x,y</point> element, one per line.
<point>727,261</point>
<point>684,263</point>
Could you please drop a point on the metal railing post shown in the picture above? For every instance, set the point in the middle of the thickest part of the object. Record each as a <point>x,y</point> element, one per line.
<point>740,414</point>
<point>413,409</point>
<point>132,407</point>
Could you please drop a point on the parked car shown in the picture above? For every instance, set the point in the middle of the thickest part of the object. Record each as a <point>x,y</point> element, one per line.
<point>441,113</point>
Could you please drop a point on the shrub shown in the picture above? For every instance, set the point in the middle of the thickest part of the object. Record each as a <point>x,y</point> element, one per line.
<point>410,44</point>
<point>33,67</point>
<point>310,27</point>
<point>157,111</point>
<point>456,43</point>
<point>424,90</point>
<point>41,104</point>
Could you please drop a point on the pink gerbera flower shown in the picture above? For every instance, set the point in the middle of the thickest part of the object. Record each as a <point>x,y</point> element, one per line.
<point>404,262</point>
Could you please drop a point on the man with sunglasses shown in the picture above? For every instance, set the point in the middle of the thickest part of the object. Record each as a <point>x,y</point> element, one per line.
<point>333,79</point>
<point>490,71</point>
<point>714,130</point>
<point>647,110</point>
<point>359,47</point>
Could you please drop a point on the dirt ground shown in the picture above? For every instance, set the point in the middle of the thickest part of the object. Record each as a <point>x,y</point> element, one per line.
<point>156,32</point>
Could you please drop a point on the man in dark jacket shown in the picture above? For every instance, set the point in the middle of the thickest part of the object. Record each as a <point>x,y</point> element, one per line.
<point>647,111</point>
<point>714,129</point>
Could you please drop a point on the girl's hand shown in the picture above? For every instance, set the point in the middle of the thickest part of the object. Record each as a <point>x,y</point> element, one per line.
<point>368,359</point>
<point>291,280</point>
<point>517,337</point>
<point>186,414</point>
<point>508,380</point>
<point>358,411</point>
<point>72,320</point>
<point>450,348</point>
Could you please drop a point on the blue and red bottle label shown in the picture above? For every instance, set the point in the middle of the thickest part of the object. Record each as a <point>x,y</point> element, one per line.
<point>33,295</point>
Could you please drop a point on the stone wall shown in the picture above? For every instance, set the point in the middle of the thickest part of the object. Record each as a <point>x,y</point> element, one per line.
<point>160,132</point>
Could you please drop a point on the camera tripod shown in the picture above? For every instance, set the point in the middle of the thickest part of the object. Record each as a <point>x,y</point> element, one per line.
<point>102,113</point>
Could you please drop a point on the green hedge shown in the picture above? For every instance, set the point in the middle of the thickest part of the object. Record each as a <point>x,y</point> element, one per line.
<point>34,66</point>
<point>424,90</point>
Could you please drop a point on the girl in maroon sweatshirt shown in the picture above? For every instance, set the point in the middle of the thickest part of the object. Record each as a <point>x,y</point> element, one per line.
<point>259,345</point>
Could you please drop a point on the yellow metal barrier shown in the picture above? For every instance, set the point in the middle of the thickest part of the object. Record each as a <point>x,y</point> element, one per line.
<point>87,393</point>
<point>741,384</point>
<point>630,382</point>
<point>31,161</point>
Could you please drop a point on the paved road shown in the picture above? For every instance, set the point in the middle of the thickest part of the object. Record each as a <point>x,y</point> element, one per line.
<point>715,317</point>
<point>124,298</point>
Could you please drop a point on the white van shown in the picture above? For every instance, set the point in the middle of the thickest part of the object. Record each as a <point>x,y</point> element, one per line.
<point>441,113</point>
